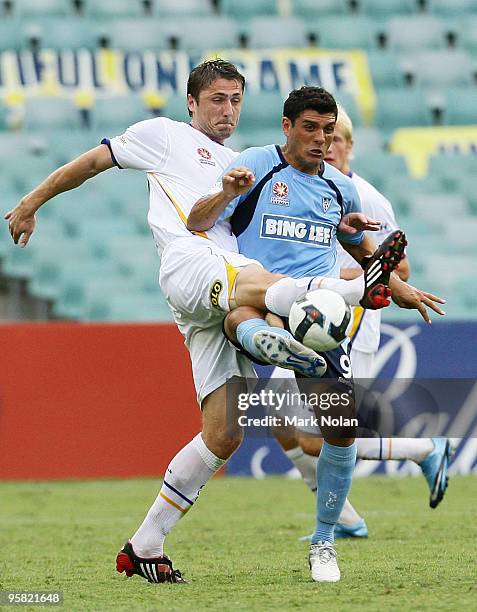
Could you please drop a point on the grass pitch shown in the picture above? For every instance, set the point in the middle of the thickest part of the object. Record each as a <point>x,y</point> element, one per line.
<point>239,546</point>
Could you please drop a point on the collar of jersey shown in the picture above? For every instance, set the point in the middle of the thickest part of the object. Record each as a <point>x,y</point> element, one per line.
<point>206,135</point>
<point>304,175</point>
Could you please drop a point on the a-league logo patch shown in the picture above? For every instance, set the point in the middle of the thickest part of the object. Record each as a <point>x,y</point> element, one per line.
<point>205,156</point>
<point>215,292</point>
<point>326,203</point>
<point>280,190</point>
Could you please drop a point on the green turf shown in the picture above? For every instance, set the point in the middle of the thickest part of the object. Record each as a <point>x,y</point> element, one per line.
<point>239,546</point>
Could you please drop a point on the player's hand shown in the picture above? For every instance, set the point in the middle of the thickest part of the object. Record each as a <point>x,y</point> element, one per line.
<point>21,223</point>
<point>352,223</point>
<point>237,181</point>
<point>407,296</point>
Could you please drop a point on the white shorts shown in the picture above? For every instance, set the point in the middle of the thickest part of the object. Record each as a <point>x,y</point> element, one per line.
<point>362,364</point>
<point>197,278</point>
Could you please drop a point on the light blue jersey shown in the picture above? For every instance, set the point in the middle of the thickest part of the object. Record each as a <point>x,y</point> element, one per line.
<point>288,220</point>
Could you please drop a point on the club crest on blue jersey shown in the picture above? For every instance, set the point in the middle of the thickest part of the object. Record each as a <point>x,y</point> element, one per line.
<point>326,203</point>
<point>295,229</point>
<point>280,194</point>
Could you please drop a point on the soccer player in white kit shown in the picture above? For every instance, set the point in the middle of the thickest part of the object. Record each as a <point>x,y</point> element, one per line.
<point>431,454</point>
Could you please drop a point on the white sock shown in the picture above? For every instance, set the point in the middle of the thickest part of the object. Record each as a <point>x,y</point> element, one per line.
<point>281,295</point>
<point>350,290</point>
<point>399,449</point>
<point>306,465</point>
<point>185,476</point>
<point>349,516</point>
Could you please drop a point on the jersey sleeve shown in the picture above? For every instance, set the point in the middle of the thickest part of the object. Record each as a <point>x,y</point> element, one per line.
<point>351,204</point>
<point>143,146</point>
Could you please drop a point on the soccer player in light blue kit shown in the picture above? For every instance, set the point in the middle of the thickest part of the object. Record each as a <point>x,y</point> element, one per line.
<point>285,210</point>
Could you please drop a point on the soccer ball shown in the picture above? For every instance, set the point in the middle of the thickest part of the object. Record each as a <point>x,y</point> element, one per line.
<point>321,320</point>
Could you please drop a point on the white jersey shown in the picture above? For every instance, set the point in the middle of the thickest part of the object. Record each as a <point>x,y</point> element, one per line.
<point>181,164</point>
<point>375,205</point>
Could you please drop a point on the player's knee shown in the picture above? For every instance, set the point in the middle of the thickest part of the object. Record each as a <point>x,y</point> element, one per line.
<point>311,445</point>
<point>237,316</point>
<point>223,443</point>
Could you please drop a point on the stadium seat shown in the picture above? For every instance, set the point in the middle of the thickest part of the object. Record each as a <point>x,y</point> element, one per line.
<point>387,8</point>
<point>460,107</point>
<point>183,8</point>
<point>400,196</point>
<point>449,9</point>
<point>377,165</point>
<point>467,33</point>
<point>400,107</point>
<point>82,283</point>
<point>437,208</point>
<point>270,31</point>
<point>310,9</point>
<point>347,32</point>
<point>262,111</point>
<point>114,9</point>
<point>65,145</point>
<point>208,34</point>
<point>261,137</point>
<point>95,232</point>
<point>461,233</point>
<point>51,113</point>
<point>65,33</point>
<point>176,107</point>
<point>386,68</point>
<point>348,102</point>
<point>449,168</point>
<point>10,35</point>
<point>141,34</point>
<point>139,308</point>
<point>247,8</point>
<point>26,9</point>
<point>32,170</point>
<point>413,33</point>
<point>115,114</point>
<point>366,140</point>
<point>441,69</point>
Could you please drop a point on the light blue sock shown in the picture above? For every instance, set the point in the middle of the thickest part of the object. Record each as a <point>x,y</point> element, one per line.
<point>247,329</point>
<point>334,473</point>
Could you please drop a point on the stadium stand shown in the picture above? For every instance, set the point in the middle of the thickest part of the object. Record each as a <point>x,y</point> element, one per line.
<point>422,58</point>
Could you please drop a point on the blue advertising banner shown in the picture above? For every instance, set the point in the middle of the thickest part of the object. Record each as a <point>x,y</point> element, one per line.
<point>446,351</point>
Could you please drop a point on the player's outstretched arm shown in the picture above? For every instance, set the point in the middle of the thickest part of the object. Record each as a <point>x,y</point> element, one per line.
<point>21,219</point>
<point>407,296</point>
<point>208,209</point>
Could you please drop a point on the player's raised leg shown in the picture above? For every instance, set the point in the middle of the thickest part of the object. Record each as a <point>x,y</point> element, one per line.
<point>264,340</point>
<point>433,456</point>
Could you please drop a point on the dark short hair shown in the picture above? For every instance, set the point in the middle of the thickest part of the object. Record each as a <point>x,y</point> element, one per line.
<point>309,98</point>
<point>206,73</point>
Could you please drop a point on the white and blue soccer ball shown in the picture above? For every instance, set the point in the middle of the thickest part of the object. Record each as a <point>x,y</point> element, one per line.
<point>321,320</point>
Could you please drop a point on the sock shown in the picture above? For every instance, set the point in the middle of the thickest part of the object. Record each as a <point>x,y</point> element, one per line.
<point>306,465</point>
<point>247,329</point>
<point>333,476</point>
<point>349,516</point>
<point>185,476</point>
<point>350,290</point>
<point>280,296</point>
<point>399,449</point>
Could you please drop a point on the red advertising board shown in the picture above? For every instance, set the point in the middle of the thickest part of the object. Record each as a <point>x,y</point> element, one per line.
<point>89,401</point>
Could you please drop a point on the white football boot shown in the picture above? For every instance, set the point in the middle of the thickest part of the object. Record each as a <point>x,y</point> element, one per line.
<point>281,349</point>
<point>323,565</point>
